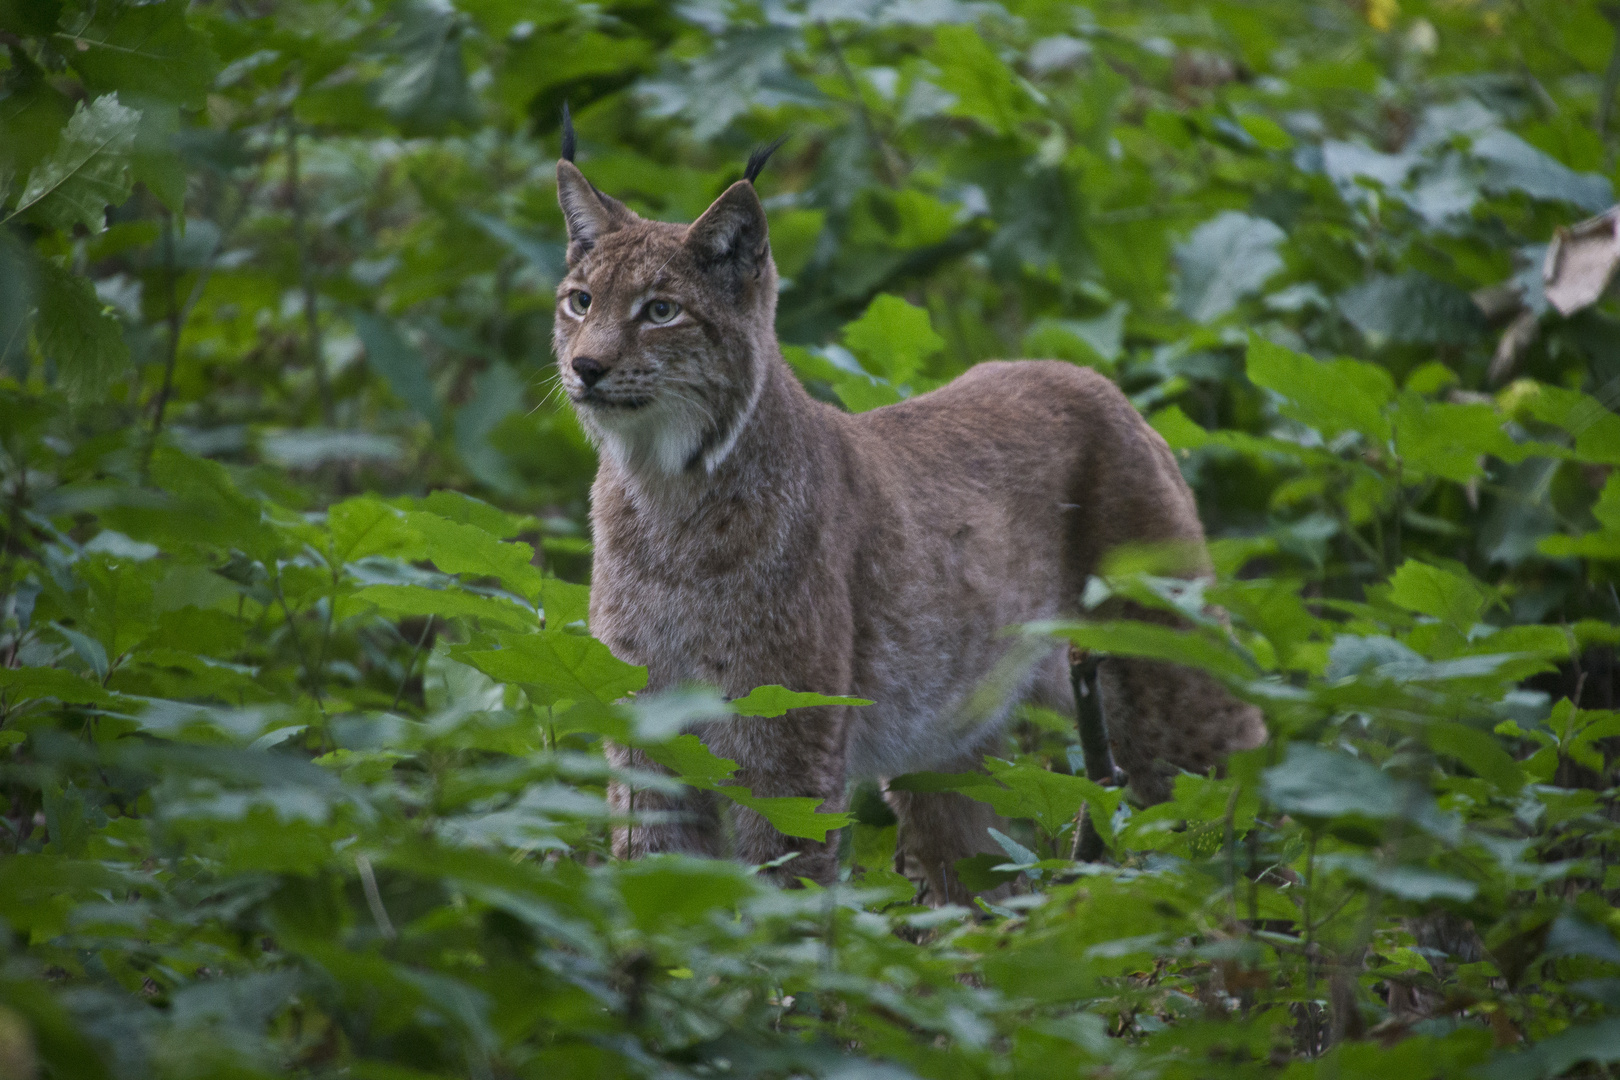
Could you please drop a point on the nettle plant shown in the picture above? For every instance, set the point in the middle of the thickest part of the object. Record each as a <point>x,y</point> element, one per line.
<point>300,714</point>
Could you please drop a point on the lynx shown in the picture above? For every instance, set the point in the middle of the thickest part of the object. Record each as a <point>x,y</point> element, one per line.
<point>747,534</point>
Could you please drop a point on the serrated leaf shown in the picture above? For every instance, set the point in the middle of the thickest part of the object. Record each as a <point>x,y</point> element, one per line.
<point>564,603</point>
<point>893,338</point>
<point>22,684</point>
<point>76,333</point>
<point>466,510</point>
<point>147,48</point>
<point>89,170</point>
<point>792,815</point>
<point>1450,440</point>
<point>397,601</point>
<point>770,701</point>
<point>366,526</point>
<point>557,666</point>
<point>1130,638</point>
<point>1329,395</point>
<point>1429,590</point>
<point>426,88</point>
<point>466,549</point>
<point>1411,308</point>
<point>1226,259</point>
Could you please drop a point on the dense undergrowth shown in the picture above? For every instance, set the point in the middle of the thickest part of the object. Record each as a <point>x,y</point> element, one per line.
<point>299,715</point>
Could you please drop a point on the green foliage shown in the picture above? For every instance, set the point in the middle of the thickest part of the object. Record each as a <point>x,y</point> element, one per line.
<point>301,722</point>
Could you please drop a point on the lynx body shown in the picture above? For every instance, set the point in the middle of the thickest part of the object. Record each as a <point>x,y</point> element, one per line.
<point>748,534</point>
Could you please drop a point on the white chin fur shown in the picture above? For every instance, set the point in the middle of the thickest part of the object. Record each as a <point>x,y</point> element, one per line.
<point>662,437</point>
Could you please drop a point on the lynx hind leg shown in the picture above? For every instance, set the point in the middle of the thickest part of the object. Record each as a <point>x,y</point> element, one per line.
<point>1163,718</point>
<point>938,828</point>
<point>689,822</point>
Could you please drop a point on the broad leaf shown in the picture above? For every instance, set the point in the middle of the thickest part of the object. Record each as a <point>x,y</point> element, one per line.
<point>89,170</point>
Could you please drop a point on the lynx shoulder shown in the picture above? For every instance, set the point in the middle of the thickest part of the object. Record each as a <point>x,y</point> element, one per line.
<point>749,534</point>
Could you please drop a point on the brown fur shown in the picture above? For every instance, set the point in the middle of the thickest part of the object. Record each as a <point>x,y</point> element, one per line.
<point>748,534</point>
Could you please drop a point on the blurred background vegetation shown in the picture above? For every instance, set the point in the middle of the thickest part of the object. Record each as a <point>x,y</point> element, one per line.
<point>298,781</point>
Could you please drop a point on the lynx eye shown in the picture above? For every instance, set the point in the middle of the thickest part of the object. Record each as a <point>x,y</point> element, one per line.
<point>579,301</point>
<point>659,312</point>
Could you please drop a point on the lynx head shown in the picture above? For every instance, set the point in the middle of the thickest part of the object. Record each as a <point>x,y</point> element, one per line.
<point>663,331</point>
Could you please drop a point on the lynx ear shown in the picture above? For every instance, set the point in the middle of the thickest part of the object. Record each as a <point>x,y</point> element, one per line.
<point>589,213</point>
<point>732,231</point>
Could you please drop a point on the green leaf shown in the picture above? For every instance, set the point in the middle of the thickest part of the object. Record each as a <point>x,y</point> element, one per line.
<point>76,333</point>
<point>564,603</point>
<point>400,363</point>
<point>89,170</point>
<point>30,17</point>
<point>893,338</point>
<point>1130,638</point>
<point>769,701</point>
<point>1227,258</point>
<point>1411,309</point>
<point>983,87</point>
<point>146,48</point>
<point>668,890</point>
<point>978,873</point>
<point>1514,165</point>
<point>1597,1042</point>
<point>1595,429</point>
<point>366,526</point>
<point>790,815</point>
<point>23,684</point>
<point>688,758</point>
<point>1448,440</point>
<point>466,549</point>
<point>399,601</point>
<point>556,666</point>
<point>1416,883</point>
<point>697,765</point>
<point>1454,599</point>
<point>1330,395</point>
<point>1050,799</point>
<point>1478,750</point>
<point>466,510</point>
<point>426,90</point>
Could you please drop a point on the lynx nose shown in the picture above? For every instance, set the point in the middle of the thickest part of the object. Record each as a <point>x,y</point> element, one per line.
<point>589,369</point>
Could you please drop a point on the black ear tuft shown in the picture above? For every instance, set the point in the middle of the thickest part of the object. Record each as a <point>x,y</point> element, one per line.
<point>567,134</point>
<point>757,160</point>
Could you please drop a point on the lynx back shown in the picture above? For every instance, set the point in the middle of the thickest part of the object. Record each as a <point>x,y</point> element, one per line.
<point>748,534</point>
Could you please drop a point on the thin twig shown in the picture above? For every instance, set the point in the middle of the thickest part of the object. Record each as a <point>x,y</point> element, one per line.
<point>170,281</point>
<point>298,644</point>
<point>891,174</point>
<point>368,882</point>
<point>427,627</point>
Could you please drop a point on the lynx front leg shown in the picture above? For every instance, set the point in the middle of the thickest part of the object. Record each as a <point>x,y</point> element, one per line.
<point>688,823</point>
<point>801,754</point>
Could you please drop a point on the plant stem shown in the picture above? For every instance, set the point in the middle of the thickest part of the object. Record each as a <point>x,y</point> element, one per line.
<point>172,317</point>
<point>427,627</point>
<point>306,273</point>
<point>1310,950</point>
